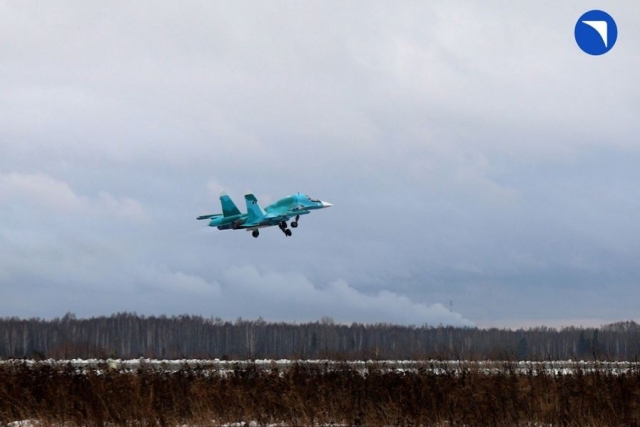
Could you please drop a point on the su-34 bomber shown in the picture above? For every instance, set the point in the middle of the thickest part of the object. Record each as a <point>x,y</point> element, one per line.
<point>278,213</point>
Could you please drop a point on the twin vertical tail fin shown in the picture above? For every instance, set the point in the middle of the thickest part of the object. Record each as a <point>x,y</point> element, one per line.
<point>228,207</point>
<point>253,208</point>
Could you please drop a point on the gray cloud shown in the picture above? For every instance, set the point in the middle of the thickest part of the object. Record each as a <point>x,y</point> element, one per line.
<point>473,153</point>
<point>43,192</point>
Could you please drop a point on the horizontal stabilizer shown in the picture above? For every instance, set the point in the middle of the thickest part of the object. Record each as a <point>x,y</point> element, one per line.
<point>208,216</point>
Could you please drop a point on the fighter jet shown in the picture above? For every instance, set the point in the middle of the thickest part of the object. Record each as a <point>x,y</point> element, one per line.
<point>277,213</point>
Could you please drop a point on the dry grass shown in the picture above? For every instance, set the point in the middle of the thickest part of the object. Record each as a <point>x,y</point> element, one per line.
<point>305,395</point>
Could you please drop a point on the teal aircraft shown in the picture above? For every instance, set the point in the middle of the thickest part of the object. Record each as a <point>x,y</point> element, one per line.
<point>277,213</point>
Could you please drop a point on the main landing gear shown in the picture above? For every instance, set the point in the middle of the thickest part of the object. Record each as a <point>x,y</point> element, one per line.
<point>283,226</point>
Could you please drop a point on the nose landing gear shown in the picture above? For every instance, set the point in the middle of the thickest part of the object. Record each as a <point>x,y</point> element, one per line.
<point>255,233</point>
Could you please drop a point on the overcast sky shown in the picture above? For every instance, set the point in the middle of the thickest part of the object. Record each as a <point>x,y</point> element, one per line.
<point>483,169</point>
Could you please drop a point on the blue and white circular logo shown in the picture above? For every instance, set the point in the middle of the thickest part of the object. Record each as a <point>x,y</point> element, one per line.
<point>596,32</point>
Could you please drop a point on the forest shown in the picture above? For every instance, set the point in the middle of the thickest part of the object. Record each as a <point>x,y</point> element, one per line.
<point>129,335</point>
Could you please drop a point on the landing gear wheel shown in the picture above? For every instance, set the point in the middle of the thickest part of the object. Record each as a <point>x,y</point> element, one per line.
<point>294,224</point>
<point>288,232</point>
<point>255,233</point>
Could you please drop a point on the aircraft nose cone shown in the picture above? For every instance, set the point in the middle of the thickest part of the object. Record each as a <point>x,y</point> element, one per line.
<point>326,204</point>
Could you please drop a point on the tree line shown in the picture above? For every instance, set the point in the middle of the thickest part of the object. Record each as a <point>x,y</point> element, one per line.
<point>128,335</point>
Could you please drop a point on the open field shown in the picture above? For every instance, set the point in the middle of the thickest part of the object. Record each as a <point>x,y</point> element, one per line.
<point>98,392</point>
<point>436,367</point>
